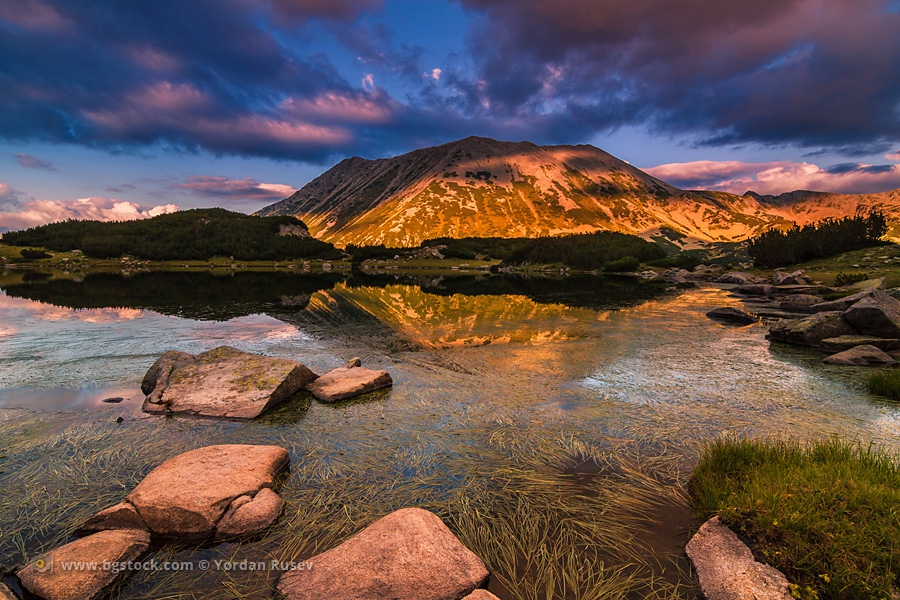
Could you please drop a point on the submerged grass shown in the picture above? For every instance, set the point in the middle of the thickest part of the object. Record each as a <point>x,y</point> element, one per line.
<point>827,514</point>
<point>885,383</point>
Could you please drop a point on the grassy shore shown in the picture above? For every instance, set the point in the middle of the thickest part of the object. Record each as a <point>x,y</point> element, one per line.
<point>885,383</point>
<point>826,514</point>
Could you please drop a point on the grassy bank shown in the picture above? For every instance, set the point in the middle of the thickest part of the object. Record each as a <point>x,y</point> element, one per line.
<point>885,383</point>
<point>826,514</point>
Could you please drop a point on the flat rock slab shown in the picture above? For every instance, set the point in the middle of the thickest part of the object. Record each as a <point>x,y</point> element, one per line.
<point>727,570</point>
<point>51,581</point>
<point>216,491</point>
<point>223,382</point>
<point>732,315</point>
<point>408,554</point>
<point>846,342</point>
<point>860,356</point>
<point>811,330</point>
<point>347,382</point>
<point>876,315</point>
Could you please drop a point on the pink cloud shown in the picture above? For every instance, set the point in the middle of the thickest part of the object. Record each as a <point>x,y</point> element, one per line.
<point>31,14</point>
<point>221,187</point>
<point>40,212</point>
<point>778,177</point>
<point>7,194</point>
<point>332,106</point>
<point>153,59</point>
<point>33,162</point>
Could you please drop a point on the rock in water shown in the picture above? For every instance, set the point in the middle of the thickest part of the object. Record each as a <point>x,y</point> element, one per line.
<point>49,580</point>
<point>877,315</point>
<point>726,568</point>
<point>408,554</point>
<point>846,342</point>
<point>195,493</point>
<point>861,356</point>
<point>811,330</point>
<point>223,382</point>
<point>732,314</point>
<point>347,382</point>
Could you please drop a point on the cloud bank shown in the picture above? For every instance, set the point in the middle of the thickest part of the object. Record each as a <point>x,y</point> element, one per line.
<point>40,212</point>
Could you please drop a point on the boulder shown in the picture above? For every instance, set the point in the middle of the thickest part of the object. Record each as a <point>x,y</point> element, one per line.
<point>785,278</point>
<point>811,330</point>
<point>727,570</point>
<point>861,356</point>
<point>223,382</point>
<point>47,579</point>
<point>193,494</point>
<point>846,342</point>
<point>738,278</point>
<point>877,315</point>
<point>733,315</point>
<point>867,285</point>
<point>755,289</point>
<point>799,302</point>
<point>409,553</point>
<point>347,382</point>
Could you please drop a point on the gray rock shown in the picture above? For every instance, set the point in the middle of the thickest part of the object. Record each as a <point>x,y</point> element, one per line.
<point>877,315</point>
<point>846,342</point>
<point>811,330</point>
<point>223,382</point>
<point>799,302</point>
<point>347,382</point>
<point>755,289</point>
<point>50,581</point>
<point>408,554</point>
<point>727,570</point>
<point>841,304</point>
<point>860,356</point>
<point>738,278</point>
<point>868,284</point>
<point>732,314</point>
<point>190,494</point>
<point>785,278</point>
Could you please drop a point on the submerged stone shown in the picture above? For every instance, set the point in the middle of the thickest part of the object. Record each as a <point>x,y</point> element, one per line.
<point>47,578</point>
<point>223,382</point>
<point>409,553</point>
<point>860,356</point>
<point>347,382</point>
<point>727,570</point>
<point>732,314</point>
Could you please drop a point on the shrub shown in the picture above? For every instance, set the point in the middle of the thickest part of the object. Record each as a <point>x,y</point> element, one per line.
<point>33,254</point>
<point>623,265</point>
<point>843,279</point>
<point>885,383</point>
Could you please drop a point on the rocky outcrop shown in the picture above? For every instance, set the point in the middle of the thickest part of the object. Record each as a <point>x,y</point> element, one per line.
<point>799,302</point>
<point>739,278</point>
<point>347,382</point>
<point>811,330</point>
<point>846,342</point>
<point>47,579</point>
<point>223,382</point>
<point>795,278</point>
<point>860,356</point>
<point>876,315</point>
<point>408,554</point>
<point>727,570</point>
<point>216,491</point>
<point>840,304</point>
<point>732,315</point>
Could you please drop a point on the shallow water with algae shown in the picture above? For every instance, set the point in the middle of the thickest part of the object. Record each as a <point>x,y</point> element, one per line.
<point>552,423</point>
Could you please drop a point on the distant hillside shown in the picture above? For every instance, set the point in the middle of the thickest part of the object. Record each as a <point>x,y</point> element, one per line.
<point>187,235</point>
<point>479,187</point>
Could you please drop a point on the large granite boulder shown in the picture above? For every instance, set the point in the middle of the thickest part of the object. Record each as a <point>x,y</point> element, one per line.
<point>47,578</point>
<point>840,304</point>
<point>347,382</point>
<point>785,278</point>
<point>223,382</point>
<point>216,491</point>
<point>811,330</point>
<point>408,554</point>
<point>876,315</point>
<point>732,315</point>
<point>846,342</point>
<point>727,570</point>
<point>860,356</point>
<point>799,302</point>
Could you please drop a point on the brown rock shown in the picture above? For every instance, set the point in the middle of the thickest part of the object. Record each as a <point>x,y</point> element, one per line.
<point>732,314</point>
<point>223,382</point>
<point>188,494</point>
<point>121,516</point>
<point>846,342</point>
<point>755,289</point>
<point>726,568</point>
<point>811,330</point>
<point>876,315</point>
<point>347,382</point>
<point>51,582</point>
<point>408,554</point>
<point>861,356</point>
<point>481,595</point>
<point>248,515</point>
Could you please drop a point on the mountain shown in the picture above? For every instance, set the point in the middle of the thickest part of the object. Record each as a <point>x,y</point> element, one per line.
<point>483,187</point>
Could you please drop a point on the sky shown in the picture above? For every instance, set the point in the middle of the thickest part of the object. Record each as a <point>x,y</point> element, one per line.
<point>115,110</point>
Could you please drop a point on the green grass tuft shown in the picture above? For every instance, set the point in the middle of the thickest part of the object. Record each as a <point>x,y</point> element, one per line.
<point>826,514</point>
<point>885,383</point>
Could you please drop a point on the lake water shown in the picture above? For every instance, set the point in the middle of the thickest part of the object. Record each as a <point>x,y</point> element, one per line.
<point>552,423</point>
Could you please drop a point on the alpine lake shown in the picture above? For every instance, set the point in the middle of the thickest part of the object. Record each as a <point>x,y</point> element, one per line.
<point>551,422</point>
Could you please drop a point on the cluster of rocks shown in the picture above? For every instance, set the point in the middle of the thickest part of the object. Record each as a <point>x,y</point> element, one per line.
<point>225,382</point>
<point>220,492</point>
